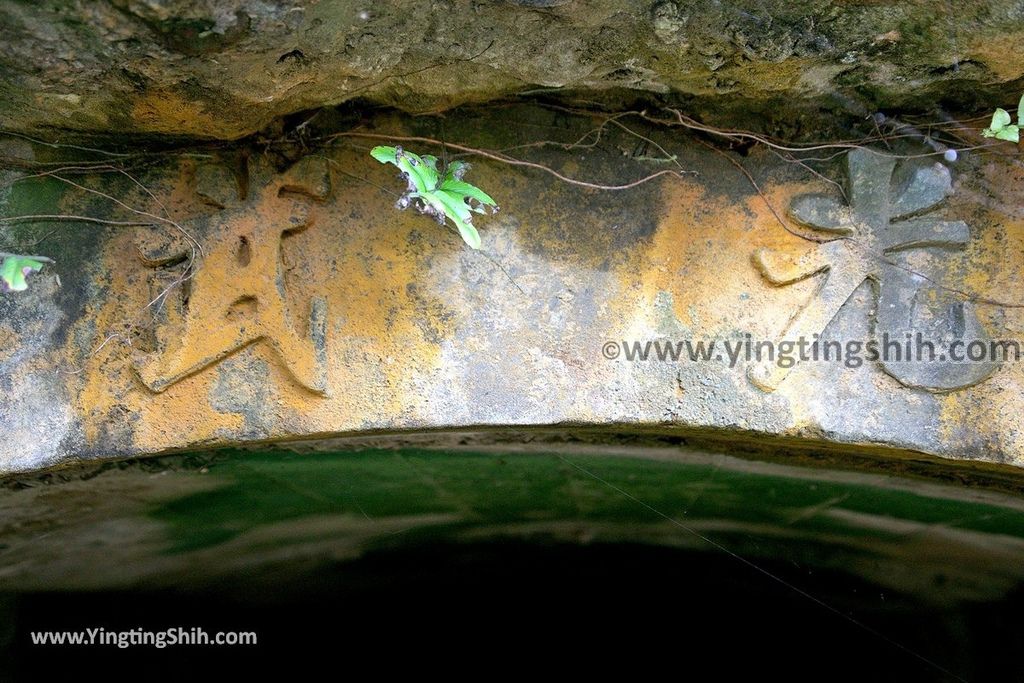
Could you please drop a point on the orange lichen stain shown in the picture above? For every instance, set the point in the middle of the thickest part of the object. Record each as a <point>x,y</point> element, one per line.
<point>235,299</point>
<point>372,265</point>
<point>111,396</point>
<point>702,255</point>
<point>8,341</point>
<point>990,204</point>
<point>1000,52</point>
<point>165,111</point>
<point>357,253</point>
<point>112,392</point>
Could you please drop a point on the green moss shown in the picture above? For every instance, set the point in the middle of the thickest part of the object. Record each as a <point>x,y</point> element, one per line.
<point>475,489</point>
<point>27,197</point>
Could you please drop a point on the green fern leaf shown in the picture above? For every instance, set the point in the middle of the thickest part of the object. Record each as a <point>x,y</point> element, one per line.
<point>448,199</point>
<point>14,270</point>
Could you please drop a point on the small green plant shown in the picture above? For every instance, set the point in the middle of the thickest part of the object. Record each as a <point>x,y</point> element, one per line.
<point>15,268</point>
<point>1001,128</point>
<point>440,193</point>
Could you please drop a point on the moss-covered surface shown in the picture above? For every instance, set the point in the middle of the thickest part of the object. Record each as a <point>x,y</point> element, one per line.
<point>486,489</point>
<point>223,69</point>
<point>800,567</point>
<point>247,516</point>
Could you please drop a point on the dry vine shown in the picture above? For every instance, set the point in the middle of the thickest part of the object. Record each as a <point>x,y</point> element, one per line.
<point>942,136</point>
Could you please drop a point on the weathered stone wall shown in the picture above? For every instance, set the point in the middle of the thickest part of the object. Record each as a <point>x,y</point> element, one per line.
<point>226,68</point>
<point>311,307</point>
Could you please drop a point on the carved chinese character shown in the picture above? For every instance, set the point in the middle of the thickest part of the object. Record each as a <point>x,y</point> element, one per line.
<point>869,233</point>
<point>237,295</point>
